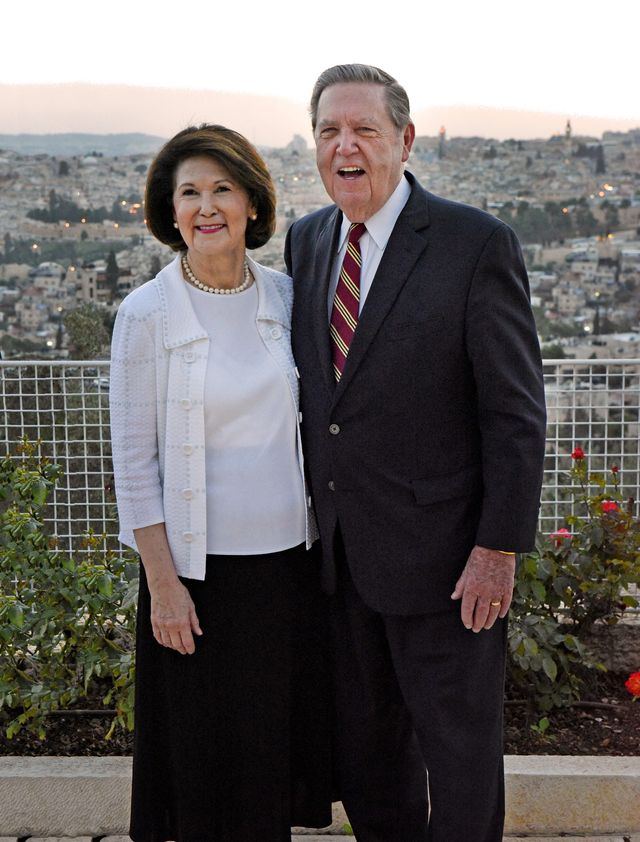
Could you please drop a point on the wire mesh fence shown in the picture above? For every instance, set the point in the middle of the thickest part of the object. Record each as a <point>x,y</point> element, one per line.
<point>64,405</point>
<point>594,404</point>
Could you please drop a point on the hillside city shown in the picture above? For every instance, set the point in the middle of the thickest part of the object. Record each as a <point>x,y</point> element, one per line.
<point>73,241</point>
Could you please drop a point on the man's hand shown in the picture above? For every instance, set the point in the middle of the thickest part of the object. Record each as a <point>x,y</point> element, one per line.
<point>486,588</point>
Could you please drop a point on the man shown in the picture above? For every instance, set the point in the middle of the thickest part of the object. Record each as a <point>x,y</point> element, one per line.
<point>423,424</point>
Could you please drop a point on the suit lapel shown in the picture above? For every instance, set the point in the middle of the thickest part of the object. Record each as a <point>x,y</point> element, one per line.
<point>407,242</point>
<point>325,251</point>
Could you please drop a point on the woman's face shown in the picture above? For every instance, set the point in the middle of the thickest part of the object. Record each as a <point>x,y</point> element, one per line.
<point>210,208</point>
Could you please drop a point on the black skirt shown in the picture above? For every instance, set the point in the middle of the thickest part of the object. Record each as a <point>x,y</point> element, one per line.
<point>233,743</point>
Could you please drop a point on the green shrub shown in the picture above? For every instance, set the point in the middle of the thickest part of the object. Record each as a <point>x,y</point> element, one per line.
<point>576,577</point>
<point>66,621</point>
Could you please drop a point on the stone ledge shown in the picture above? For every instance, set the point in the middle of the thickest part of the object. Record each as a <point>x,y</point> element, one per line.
<point>546,795</point>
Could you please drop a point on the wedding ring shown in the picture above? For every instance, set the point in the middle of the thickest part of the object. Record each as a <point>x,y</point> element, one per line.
<point>499,602</point>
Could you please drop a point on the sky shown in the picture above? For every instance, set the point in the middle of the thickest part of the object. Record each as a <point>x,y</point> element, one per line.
<point>572,57</point>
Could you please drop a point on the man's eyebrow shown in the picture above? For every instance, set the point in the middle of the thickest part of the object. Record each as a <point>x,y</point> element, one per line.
<point>357,121</point>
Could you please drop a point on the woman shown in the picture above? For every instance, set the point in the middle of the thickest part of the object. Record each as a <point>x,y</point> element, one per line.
<point>231,740</point>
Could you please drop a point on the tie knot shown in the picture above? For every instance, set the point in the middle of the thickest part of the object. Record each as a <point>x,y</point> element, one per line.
<point>356,230</point>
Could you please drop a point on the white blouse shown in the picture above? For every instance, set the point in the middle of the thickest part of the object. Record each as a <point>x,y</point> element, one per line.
<point>255,493</point>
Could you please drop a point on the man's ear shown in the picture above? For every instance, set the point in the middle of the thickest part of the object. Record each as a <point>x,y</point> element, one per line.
<point>408,136</point>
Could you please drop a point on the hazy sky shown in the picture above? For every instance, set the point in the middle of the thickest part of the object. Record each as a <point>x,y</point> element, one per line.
<point>568,56</point>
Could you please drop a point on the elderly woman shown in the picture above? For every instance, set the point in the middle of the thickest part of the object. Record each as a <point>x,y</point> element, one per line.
<point>232,724</point>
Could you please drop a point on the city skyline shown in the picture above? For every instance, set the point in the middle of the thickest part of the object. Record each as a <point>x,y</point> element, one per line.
<point>463,58</point>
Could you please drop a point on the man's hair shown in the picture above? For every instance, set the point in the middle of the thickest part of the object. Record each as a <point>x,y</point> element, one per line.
<point>395,95</point>
<point>236,155</point>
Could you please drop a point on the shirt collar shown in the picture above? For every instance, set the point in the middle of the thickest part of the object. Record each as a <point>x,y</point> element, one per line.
<point>382,223</point>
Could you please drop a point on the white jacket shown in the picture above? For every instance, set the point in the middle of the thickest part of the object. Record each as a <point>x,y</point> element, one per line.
<point>159,358</point>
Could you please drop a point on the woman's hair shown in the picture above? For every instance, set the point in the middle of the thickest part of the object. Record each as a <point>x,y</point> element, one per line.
<point>236,155</point>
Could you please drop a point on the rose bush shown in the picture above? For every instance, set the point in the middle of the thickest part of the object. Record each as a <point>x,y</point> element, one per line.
<point>576,577</point>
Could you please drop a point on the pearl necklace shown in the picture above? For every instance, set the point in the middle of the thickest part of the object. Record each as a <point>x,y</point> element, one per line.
<point>248,278</point>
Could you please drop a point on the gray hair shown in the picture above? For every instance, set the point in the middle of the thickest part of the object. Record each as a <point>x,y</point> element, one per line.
<point>395,94</point>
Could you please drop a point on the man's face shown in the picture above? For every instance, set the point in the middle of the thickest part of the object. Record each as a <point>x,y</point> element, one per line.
<point>359,152</point>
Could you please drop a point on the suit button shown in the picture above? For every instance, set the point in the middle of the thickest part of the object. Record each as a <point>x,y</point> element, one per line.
<point>187,537</point>
<point>185,403</point>
<point>332,485</point>
<point>276,333</point>
<point>187,493</point>
<point>334,429</point>
<point>189,357</point>
<point>187,449</point>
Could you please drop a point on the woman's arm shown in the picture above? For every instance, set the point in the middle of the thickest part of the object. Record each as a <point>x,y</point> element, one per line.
<point>173,615</point>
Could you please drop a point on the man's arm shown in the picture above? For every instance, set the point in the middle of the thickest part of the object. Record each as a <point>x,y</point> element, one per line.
<point>504,351</point>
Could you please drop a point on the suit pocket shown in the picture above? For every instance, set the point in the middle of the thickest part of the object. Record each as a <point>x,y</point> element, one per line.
<point>395,331</point>
<point>447,486</point>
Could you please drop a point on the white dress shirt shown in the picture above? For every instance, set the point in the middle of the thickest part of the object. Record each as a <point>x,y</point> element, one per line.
<point>372,243</point>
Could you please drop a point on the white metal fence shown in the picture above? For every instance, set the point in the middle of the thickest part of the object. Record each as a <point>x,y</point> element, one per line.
<point>591,403</point>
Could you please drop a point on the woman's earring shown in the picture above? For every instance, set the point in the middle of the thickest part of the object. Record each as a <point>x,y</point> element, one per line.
<point>253,217</point>
<point>175,224</point>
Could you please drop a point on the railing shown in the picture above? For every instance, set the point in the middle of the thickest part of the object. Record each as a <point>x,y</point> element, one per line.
<point>591,403</point>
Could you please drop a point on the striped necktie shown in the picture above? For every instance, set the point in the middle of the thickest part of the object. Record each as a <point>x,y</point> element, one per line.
<point>344,314</point>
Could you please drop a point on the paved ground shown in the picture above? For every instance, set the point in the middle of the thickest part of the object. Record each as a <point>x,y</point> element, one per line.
<point>634,837</point>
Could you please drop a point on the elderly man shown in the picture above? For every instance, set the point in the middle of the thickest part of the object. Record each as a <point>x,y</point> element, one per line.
<point>423,424</point>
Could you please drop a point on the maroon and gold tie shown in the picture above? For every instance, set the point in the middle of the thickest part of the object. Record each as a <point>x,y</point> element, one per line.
<point>344,315</point>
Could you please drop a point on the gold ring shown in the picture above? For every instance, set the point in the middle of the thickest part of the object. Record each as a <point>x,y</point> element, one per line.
<point>499,602</point>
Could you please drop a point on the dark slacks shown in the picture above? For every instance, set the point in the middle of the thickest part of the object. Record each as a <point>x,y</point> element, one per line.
<point>417,696</point>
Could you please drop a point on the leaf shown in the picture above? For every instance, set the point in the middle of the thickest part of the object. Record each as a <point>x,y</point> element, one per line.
<point>16,615</point>
<point>39,492</point>
<point>550,667</point>
<point>539,590</point>
<point>105,585</point>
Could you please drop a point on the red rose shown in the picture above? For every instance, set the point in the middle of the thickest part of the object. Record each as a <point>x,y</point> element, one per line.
<point>578,454</point>
<point>633,684</point>
<point>615,469</point>
<point>610,506</point>
<point>560,535</point>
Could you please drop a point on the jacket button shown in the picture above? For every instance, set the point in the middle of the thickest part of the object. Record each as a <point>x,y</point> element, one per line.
<point>187,449</point>
<point>187,493</point>
<point>276,333</point>
<point>189,357</point>
<point>334,429</point>
<point>187,537</point>
<point>332,485</point>
<point>185,403</point>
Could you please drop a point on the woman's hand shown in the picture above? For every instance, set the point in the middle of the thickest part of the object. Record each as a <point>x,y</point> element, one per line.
<point>173,617</point>
<point>173,614</point>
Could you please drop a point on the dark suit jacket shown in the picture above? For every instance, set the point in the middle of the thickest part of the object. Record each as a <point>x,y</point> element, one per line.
<point>440,412</point>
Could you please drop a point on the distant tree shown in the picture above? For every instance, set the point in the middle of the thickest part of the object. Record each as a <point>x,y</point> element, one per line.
<point>141,168</point>
<point>155,267</point>
<point>113,273</point>
<point>84,235</point>
<point>88,334</point>
<point>8,244</point>
<point>553,352</point>
<point>63,169</point>
<point>601,167</point>
<point>586,223</point>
